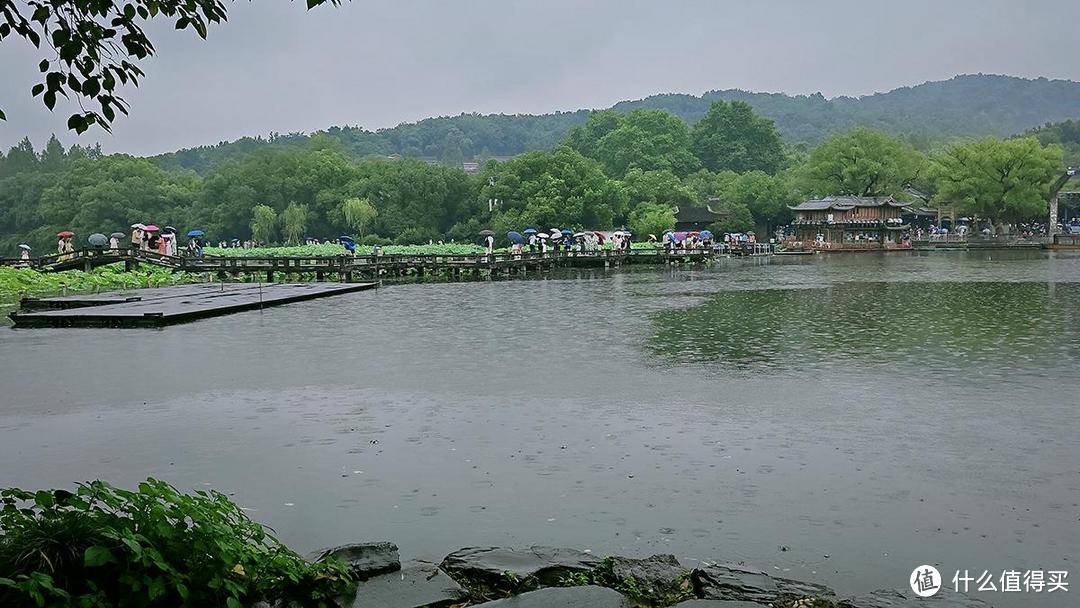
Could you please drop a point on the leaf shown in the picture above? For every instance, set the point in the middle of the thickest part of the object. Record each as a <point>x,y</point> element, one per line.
<point>44,65</point>
<point>232,602</point>
<point>2,115</point>
<point>96,555</point>
<point>38,88</point>
<point>44,499</point>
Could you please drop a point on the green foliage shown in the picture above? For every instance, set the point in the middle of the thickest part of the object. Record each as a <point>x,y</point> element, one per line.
<point>1005,181</point>
<point>16,281</point>
<point>293,222</point>
<point>732,138</point>
<point>766,197</point>
<point>651,218</point>
<point>561,188</point>
<point>1065,134</point>
<point>739,219</point>
<point>263,222</point>
<point>656,187</point>
<point>359,213</point>
<point>649,140</point>
<point>103,546</point>
<point>923,115</point>
<point>861,162</point>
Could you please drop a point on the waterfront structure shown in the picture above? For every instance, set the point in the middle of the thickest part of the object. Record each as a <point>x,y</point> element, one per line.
<point>690,218</point>
<point>851,222</point>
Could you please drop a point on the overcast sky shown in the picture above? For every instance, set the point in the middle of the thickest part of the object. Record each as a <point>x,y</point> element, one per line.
<point>277,67</point>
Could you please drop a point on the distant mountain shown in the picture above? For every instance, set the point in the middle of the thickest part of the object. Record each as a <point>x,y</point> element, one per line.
<point>963,106</point>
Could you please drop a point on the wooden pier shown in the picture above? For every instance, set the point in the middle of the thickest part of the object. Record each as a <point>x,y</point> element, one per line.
<point>158,307</point>
<point>373,267</point>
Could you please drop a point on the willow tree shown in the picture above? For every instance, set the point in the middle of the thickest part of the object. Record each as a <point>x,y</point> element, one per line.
<point>861,162</point>
<point>263,223</point>
<point>1005,181</point>
<point>294,222</point>
<point>359,214</point>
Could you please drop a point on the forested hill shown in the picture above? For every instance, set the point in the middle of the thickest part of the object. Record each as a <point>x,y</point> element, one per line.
<point>969,105</point>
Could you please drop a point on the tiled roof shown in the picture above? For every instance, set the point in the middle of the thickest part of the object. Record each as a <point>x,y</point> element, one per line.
<point>847,203</point>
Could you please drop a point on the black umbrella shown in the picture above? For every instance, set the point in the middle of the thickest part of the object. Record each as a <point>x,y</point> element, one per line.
<point>169,230</point>
<point>97,239</point>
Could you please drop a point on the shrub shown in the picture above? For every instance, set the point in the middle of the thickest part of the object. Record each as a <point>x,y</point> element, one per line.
<point>107,547</point>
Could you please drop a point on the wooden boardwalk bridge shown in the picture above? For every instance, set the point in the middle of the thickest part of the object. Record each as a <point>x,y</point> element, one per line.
<point>373,267</point>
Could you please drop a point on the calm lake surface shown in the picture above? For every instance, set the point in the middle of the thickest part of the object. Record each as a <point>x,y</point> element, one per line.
<point>840,418</point>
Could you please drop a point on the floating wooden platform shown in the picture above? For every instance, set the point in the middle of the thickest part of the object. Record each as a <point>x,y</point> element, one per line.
<point>158,307</point>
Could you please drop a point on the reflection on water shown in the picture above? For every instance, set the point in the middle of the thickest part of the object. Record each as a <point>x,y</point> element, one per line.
<point>942,327</point>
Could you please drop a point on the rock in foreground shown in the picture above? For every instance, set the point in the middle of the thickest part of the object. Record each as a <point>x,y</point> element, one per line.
<point>417,585</point>
<point>365,560</point>
<point>733,582</point>
<point>499,570</point>
<point>569,597</point>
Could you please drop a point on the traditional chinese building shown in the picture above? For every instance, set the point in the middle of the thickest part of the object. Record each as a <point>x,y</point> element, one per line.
<point>850,221</point>
<point>690,218</point>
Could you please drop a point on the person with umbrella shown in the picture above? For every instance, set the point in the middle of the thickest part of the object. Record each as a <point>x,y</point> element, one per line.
<point>24,252</point>
<point>348,243</point>
<point>151,238</point>
<point>530,233</point>
<point>137,236</point>
<point>195,244</point>
<point>114,240</point>
<point>489,241</point>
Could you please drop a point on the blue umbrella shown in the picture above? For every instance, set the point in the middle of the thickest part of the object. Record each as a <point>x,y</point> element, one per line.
<point>347,242</point>
<point>530,231</point>
<point>515,237</point>
<point>705,234</point>
<point>196,233</point>
<point>567,232</point>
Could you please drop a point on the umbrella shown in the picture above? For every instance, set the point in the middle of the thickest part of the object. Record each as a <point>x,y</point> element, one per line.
<point>487,233</point>
<point>541,235</point>
<point>566,232</point>
<point>705,234</point>
<point>196,233</point>
<point>515,237</point>
<point>620,233</point>
<point>117,235</point>
<point>65,233</point>
<point>150,228</point>
<point>600,235</point>
<point>652,237</point>
<point>578,235</point>
<point>529,231</point>
<point>555,235</point>
<point>24,246</point>
<point>139,226</point>
<point>345,237</point>
<point>97,239</point>
<point>169,229</point>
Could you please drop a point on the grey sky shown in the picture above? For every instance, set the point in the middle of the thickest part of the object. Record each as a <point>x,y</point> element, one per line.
<point>276,67</point>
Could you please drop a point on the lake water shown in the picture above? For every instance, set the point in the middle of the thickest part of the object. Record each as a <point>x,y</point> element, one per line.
<point>840,418</point>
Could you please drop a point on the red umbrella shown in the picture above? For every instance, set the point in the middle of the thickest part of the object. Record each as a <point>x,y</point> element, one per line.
<point>65,233</point>
<point>151,228</point>
<point>600,236</point>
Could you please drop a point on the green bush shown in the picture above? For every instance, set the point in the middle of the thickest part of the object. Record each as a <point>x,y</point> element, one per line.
<point>154,547</point>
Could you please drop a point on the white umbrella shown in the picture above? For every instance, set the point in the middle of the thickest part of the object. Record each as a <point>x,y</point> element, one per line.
<point>542,235</point>
<point>139,226</point>
<point>24,246</point>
